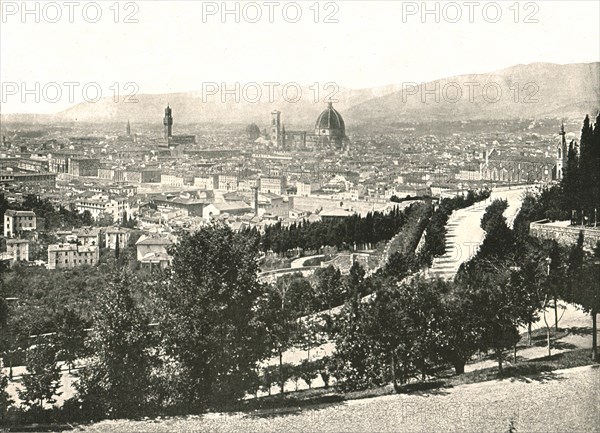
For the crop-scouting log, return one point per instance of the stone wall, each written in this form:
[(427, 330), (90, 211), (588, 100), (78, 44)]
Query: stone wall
[(566, 235)]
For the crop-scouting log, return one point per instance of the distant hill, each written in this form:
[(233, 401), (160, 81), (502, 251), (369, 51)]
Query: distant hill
[(544, 90), (189, 107)]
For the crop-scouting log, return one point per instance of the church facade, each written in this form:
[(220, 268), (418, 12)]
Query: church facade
[(504, 168)]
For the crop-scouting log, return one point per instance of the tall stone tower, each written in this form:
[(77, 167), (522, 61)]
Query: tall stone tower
[(275, 134), (561, 153), (168, 122), (128, 129)]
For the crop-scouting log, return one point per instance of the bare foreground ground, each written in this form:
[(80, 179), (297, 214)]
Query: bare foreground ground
[(562, 401)]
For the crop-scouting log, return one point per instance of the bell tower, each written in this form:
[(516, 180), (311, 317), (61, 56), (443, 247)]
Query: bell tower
[(168, 122), (561, 153), (275, 132)]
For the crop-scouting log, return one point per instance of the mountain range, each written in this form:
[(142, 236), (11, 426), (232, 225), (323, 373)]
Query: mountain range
[(537, 90)]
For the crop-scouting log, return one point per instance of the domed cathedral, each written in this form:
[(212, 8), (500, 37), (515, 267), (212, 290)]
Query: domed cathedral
[(330, 129), (329, 132)]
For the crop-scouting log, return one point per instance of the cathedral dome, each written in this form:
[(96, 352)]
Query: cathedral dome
[(330, 122)]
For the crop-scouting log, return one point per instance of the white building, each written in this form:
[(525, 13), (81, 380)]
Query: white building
[(16, 221)]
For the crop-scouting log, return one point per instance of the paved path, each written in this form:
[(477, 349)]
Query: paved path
[(299, 263), (465, 235)]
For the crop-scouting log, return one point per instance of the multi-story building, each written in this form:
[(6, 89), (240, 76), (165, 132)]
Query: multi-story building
[(272, 185), (88, 236), (152, 251), (17, 249), (171, 179), (209, 182), (112, 235), (227, 182), (17, 221), (39, 179), (305, 187), (83, 167), (142, 176), (61, 256), (99, 205)]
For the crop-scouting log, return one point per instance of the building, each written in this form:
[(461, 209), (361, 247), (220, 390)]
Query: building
[(63, 256), (112, 235), (88, 236), (17, 221), (178, 140), (33, 179), (562, 154), (335, 215), (59, 161), (168, 123), (152, 251), (189, 206), (330, 129), (329, 132), (227, 182), (305, 187), (272, 185), (99, 205), (231, 208), (145, 175), (498, 167), (275, 132), (209, 182), (17, 249), (84, 167), (171, 179)]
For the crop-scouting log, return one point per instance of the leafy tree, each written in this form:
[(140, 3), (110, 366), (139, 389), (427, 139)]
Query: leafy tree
[(308, 372), (281, 323), (328, 288), (355, 363), (270, 376), (115, 381), (459, 337), (586, 292), (210, 313), (42, 381), (5, 400), (70, 336), (500, 304)]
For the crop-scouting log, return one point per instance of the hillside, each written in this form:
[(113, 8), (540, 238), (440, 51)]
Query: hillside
[(536, 90), (544, 90)]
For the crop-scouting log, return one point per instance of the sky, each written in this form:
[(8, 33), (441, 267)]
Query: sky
[(178, 46)]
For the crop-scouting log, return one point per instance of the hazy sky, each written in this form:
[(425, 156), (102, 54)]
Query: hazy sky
[(177, 46)]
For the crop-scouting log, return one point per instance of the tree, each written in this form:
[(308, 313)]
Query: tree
[(459, 336), (116, 380), (42, 381), (5, 400), (281, 322), (586, 292), (308, 372), (210, 320), (117, 246), (405, 326), (500, 303), (328, 288), (355, 363), (70, 336)]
